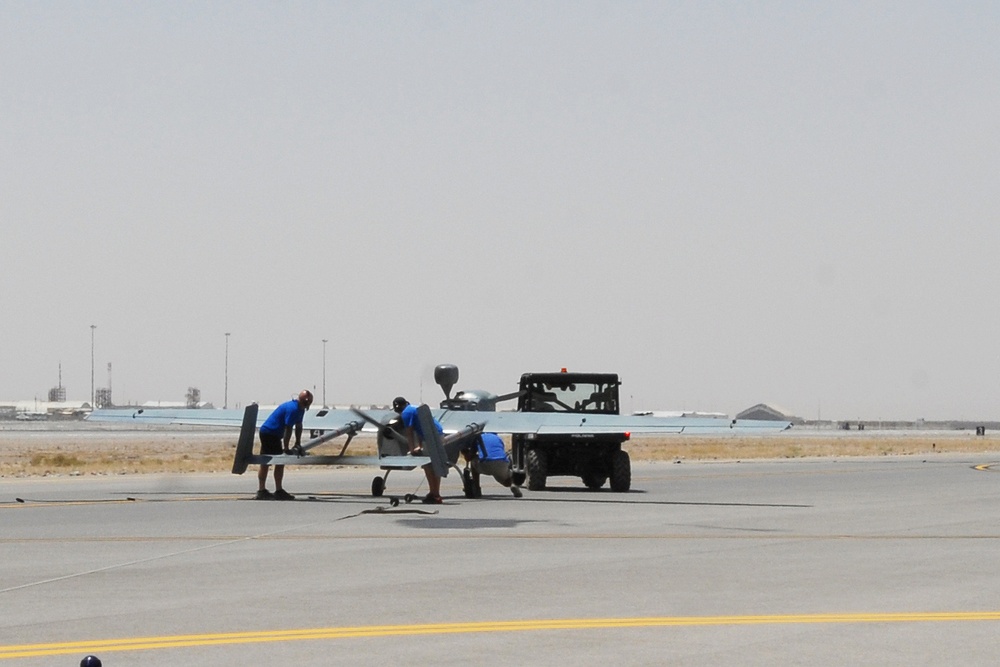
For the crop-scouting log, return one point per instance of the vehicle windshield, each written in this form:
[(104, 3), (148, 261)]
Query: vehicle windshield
[(596, 397)]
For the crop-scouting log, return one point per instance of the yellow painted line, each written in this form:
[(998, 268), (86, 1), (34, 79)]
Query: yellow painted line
[(182, 641)]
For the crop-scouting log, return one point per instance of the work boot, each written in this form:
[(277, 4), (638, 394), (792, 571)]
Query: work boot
[(516, 490)]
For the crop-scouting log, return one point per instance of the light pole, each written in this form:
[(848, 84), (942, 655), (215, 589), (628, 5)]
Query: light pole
[(324, 372), (225, 400), (92, 327)]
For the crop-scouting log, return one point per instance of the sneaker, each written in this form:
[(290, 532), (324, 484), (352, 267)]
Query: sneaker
[(264, 494), (432, 499), (516, 490), (281, 494)]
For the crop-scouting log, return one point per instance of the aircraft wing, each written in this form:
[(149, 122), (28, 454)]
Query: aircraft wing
[(333, 423), (319, 420), (547, 423), (156, 416)]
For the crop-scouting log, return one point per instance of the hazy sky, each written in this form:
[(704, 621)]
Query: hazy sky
[(725, 202)]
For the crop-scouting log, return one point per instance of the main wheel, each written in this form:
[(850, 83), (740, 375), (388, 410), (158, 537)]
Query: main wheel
[(468, 484), (378, 486), (621, 471), (536, 464)]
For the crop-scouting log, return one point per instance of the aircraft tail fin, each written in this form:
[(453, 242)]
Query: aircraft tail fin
[(433, 442), (244, 447)]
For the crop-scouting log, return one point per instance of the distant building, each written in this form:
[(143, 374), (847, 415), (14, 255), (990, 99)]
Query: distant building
[(765, 412), (176, 405), (37, 410), (102, 398)]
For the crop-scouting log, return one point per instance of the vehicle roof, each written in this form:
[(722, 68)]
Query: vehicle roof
[(572, 377)]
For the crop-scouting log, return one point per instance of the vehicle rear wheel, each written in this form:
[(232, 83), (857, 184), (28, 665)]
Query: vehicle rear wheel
[(537, 466), (378, 486), (621, 471)]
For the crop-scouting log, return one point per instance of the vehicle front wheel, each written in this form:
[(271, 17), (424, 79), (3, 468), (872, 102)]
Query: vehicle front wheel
[(621, 472), (536, 464)]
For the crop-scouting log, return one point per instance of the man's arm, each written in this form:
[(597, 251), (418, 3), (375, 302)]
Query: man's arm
[(411, 439)]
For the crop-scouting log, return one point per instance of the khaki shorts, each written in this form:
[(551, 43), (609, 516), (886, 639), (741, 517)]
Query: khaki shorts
[(499, 469)]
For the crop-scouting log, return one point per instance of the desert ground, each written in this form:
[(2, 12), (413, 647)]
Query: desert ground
[(83, 450)]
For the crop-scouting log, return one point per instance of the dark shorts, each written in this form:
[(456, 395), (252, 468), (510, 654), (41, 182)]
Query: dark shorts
[(270, 444)]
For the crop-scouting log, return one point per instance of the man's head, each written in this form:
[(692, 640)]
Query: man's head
[(399, 404), (305, 398)]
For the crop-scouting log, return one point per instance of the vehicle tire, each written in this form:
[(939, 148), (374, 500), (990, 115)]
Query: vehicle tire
[(621, 472), (378, 486), (536, 465)]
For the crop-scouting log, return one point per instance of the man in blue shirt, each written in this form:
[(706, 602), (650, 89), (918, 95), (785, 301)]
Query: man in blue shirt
[(275, 436), (415, 439), (487, 454)]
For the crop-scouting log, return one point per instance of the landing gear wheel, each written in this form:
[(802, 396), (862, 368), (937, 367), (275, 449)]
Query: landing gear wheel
[(519, 478), (409, 498), (621, 472), (468, 484), (594, 480), (394, 502), (378, 486), (537, 467)]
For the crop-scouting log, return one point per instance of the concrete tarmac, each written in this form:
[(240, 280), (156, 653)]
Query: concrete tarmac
[(880, 561)]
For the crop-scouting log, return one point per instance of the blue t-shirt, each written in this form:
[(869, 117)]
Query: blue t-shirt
[(491, 448), (287, 414), (409, 417)]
